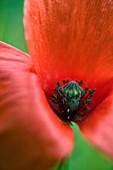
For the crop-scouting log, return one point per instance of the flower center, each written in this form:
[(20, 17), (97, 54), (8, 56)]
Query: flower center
[(70, 100)]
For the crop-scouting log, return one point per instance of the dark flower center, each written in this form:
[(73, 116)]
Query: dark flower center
[(70, 100)]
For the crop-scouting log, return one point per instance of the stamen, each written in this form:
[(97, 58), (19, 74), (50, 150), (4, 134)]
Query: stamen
[(70, 100)]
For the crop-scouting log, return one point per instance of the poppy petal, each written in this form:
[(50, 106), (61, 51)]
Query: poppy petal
[(98, 127), (30, 133), (73, 37)]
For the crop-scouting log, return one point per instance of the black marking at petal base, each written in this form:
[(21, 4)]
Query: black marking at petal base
[(71, 99)]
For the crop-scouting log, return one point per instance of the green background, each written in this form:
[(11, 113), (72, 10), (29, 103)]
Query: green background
[(84, 156)]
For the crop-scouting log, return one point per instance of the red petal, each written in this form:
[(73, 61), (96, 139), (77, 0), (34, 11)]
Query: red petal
[(98, 127), (70, 39), (31, 137), (73, 39)]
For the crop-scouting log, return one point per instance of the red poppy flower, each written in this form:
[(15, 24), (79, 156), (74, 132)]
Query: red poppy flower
[(74, 39)]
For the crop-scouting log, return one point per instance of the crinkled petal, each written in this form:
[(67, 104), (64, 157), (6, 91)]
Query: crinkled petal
[(31, 136), (70, 39)]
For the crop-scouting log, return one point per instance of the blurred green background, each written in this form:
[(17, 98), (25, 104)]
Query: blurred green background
[(11, 29), (84, 156)]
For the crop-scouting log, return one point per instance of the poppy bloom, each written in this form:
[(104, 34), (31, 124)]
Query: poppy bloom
[(74, 39), (66, 40)]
